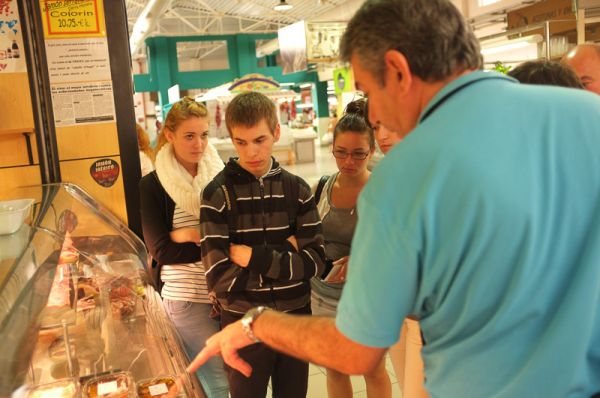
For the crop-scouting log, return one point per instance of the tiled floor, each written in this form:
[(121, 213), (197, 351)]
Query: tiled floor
[(317, 387), (317, 381)]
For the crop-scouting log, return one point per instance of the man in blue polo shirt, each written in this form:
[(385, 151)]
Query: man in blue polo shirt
[(484, 222)]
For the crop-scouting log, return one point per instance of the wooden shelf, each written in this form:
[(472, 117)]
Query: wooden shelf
[(25, 130), (18, 147)]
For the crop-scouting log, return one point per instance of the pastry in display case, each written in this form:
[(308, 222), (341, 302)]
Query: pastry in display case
[(60, 389), (157, 387), (115, 385), (78, 315)]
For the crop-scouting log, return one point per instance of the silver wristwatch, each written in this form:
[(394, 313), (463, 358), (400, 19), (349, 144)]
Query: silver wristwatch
[(249, 318)]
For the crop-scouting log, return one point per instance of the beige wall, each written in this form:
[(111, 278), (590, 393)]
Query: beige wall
[(78, 148), (16, 120)]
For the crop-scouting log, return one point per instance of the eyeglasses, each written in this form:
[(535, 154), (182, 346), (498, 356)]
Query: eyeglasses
[(340, 154)]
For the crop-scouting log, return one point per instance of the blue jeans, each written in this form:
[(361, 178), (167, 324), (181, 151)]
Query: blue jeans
[(195, 327)]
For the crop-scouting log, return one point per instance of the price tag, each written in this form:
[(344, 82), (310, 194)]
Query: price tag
[(107, 388), (54, 392), (158, 389), (72, 18)]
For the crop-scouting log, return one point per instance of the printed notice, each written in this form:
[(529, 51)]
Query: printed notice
[(78, 60), (83, 103), (80, 78), (72, 18), (11, 39)]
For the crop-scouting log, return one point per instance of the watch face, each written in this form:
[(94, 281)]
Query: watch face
[(248, 319)]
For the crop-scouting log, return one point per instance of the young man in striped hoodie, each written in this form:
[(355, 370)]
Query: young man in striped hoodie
[(261, 243)]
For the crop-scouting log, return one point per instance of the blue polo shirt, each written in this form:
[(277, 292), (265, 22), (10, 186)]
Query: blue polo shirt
[(484, 222)]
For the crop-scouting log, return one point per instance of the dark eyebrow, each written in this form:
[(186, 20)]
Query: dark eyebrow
[(260, 137)]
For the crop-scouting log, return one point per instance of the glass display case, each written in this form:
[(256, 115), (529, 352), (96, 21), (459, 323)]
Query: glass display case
[(78, 314)]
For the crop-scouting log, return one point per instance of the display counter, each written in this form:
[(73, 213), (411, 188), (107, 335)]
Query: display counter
[(78, 316)]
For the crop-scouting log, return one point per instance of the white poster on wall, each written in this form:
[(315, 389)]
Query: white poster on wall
[(76, 60), (292, 47), (83, 103), (80, 81), (323, 40), (174, 93), (12, 59)]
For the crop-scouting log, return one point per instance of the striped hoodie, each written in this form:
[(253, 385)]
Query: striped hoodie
[(277, 275)]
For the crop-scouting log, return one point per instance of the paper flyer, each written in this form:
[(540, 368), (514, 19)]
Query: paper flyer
[(12, 59)]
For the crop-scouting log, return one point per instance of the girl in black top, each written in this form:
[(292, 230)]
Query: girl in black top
[(170, 204)]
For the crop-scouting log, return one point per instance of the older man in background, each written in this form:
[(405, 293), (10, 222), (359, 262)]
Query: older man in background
[(585, 61), (483, 223)]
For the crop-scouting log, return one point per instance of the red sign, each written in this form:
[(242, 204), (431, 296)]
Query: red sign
[(105, 172)]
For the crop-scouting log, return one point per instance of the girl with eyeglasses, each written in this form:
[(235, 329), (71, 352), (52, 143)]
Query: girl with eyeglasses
[(170, 207), (353, 147)]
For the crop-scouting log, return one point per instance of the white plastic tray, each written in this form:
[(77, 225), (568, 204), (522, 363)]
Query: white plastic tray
[(13, 213)]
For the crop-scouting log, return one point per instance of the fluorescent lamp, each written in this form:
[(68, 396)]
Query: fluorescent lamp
[(283, 6), (508, 45), (484, 3), (141, 26), (504, 47)]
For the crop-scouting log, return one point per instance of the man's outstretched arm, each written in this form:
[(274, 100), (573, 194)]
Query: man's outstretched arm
[(313, 339)]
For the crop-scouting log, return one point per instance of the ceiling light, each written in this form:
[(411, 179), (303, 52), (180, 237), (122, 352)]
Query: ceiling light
[(508, 45), (282, 6), (142, 24), (504, 48)]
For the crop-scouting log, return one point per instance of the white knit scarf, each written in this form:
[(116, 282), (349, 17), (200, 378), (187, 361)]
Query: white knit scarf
[(179, 184)]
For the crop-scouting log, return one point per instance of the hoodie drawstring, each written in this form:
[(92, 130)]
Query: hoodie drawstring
[(253, 212)]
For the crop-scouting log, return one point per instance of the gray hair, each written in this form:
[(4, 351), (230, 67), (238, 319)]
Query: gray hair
[(432, 34)]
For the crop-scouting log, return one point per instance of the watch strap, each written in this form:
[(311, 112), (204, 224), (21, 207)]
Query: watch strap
[(248, 320)]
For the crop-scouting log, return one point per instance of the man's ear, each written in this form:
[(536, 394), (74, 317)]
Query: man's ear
[(277, 133), (398, 71)]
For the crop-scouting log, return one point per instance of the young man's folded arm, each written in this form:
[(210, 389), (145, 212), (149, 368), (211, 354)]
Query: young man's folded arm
[(220, 271), (287, 263)]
